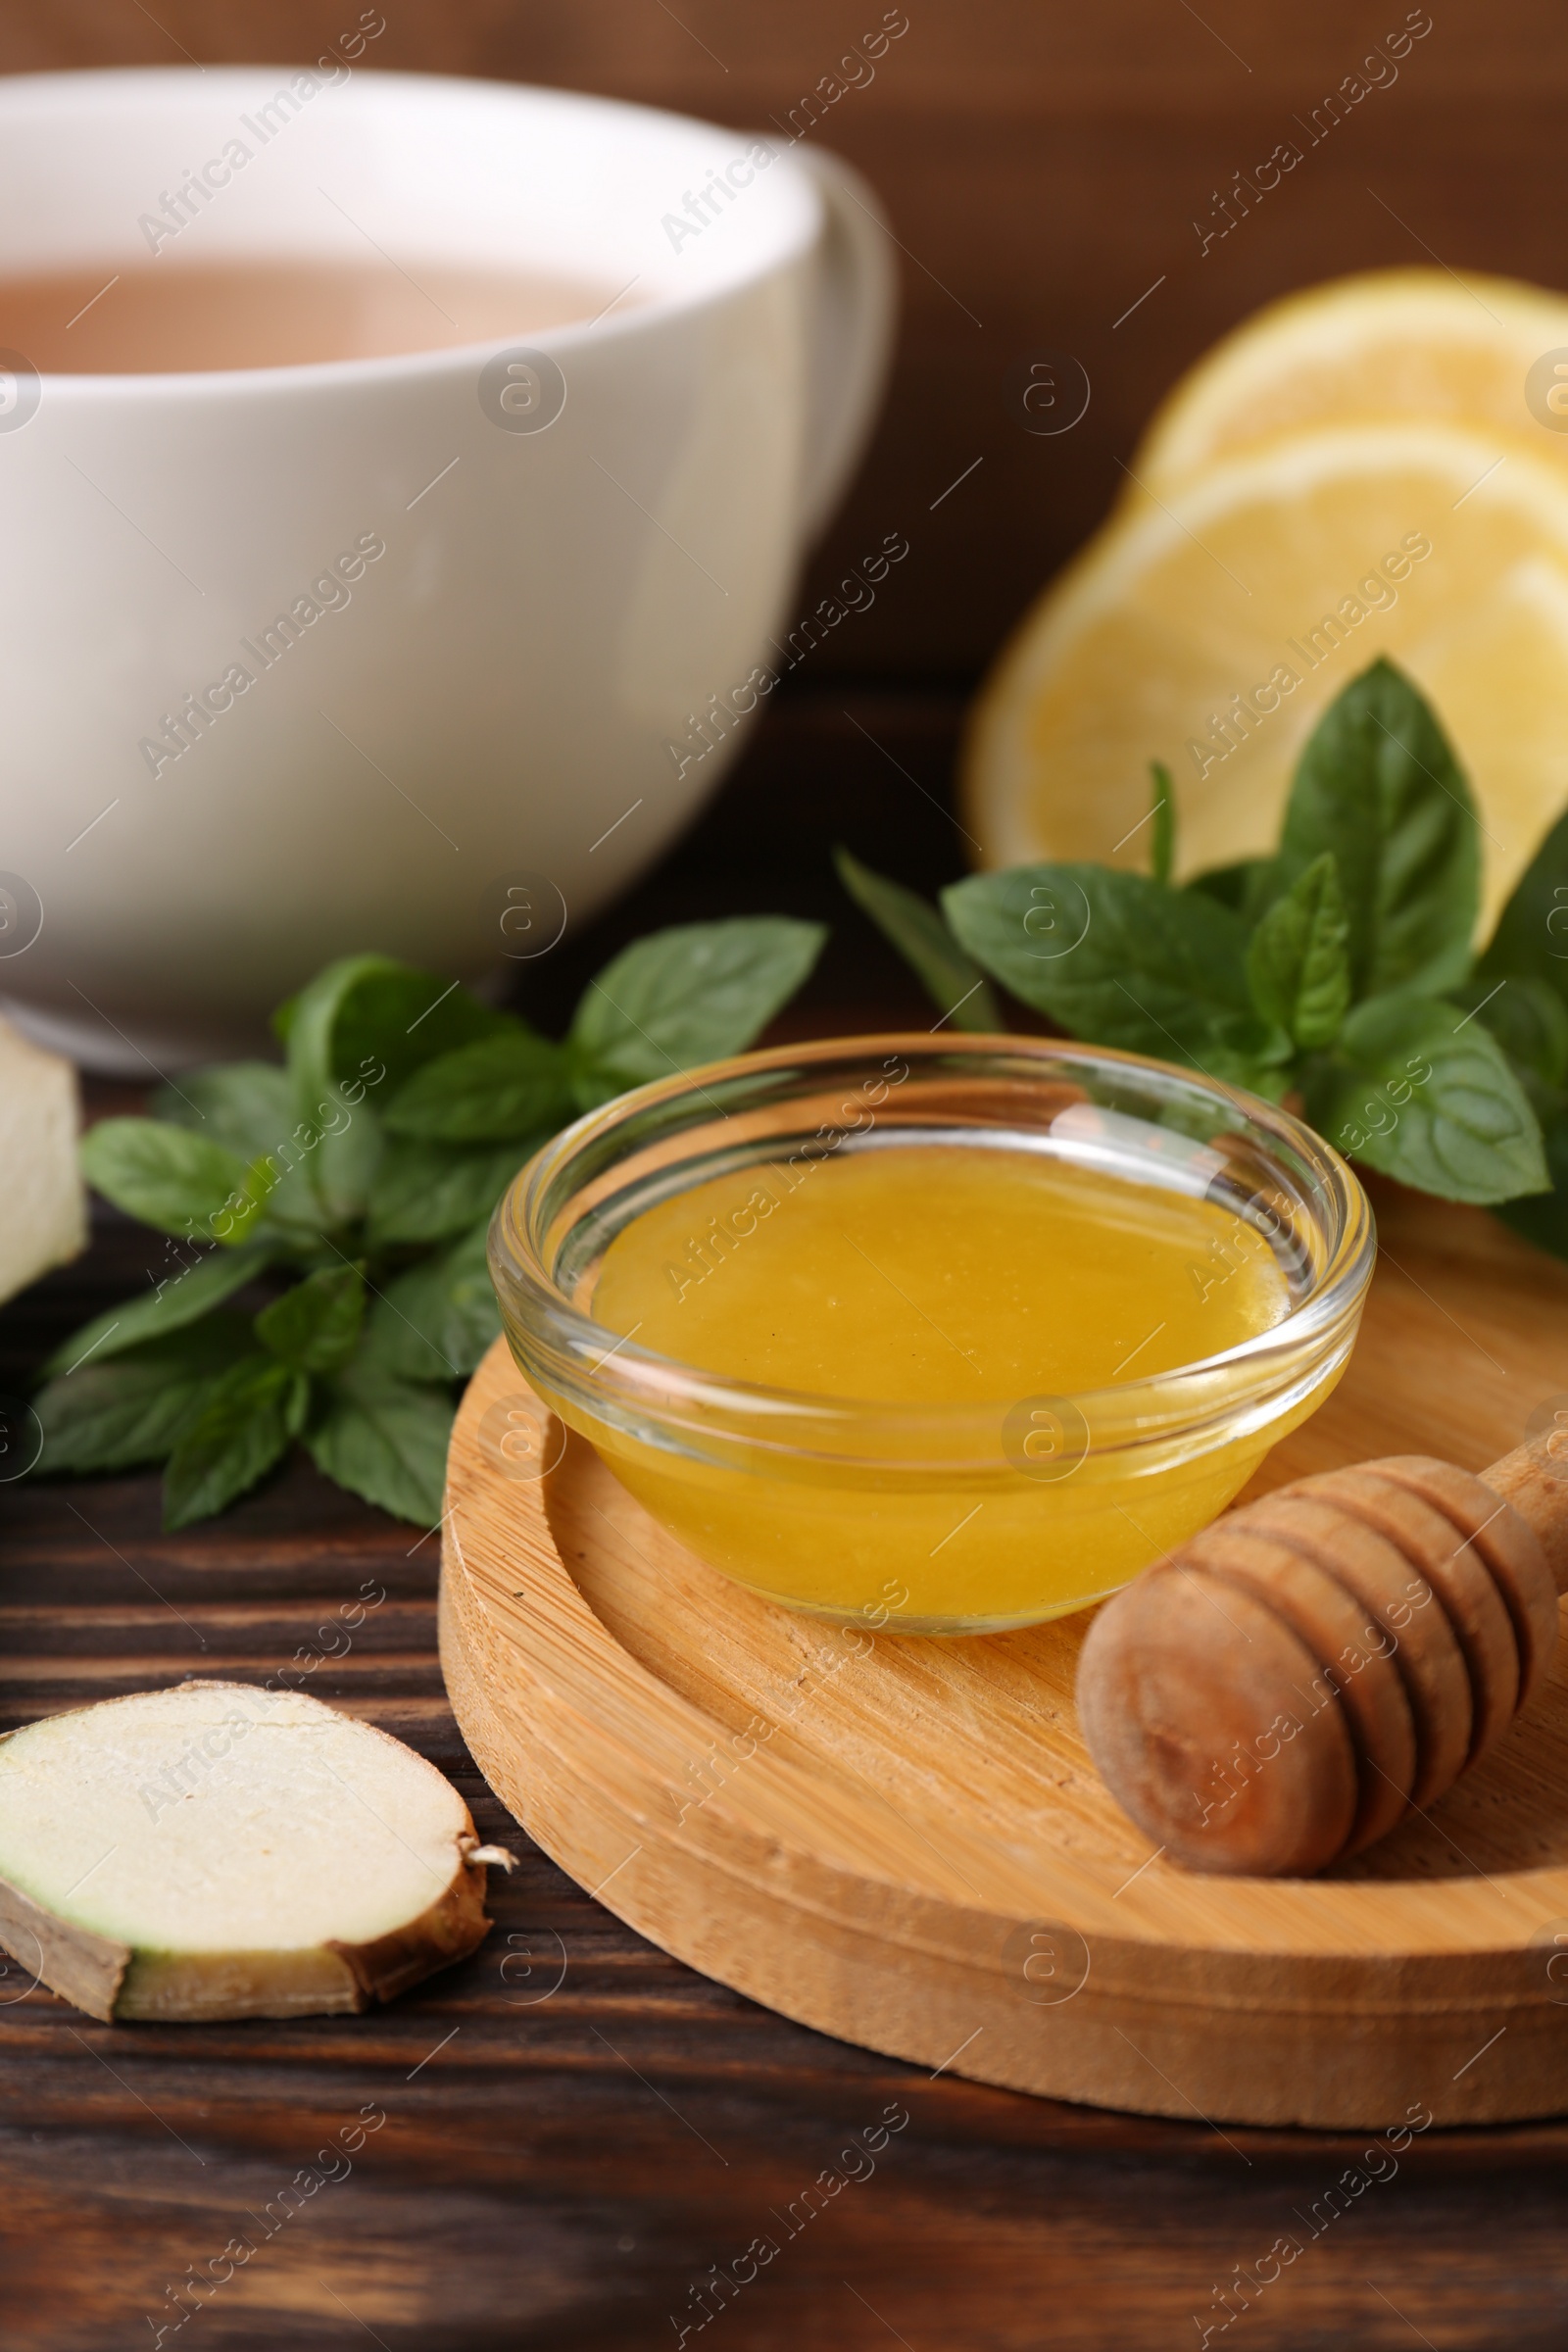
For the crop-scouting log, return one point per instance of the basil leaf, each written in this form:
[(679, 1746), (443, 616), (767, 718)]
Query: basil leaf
[(1531, 940), (1297, 964), (243, 1428), (1422, 1094), (316, 1326), (1544, 1217), (429, 1192), (690, 995), (1119, 960), (1527, 1017), (436, 1321), (1162, 833), (386, 1441), (166, 1177), (511, 1083), (956, 985), (110, 1416), (170, 1308), (1379, 786)]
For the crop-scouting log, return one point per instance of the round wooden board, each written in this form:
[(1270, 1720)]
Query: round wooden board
[(902, 1842)]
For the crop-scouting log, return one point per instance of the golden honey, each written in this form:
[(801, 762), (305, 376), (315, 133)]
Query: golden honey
[(1008, 1284)]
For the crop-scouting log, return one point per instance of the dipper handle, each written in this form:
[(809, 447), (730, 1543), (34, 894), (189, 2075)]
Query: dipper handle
[(1279, 1692), (1534, 1480)]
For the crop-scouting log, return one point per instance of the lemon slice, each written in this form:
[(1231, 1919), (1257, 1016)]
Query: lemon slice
[(1392, 346), (1211, 631)]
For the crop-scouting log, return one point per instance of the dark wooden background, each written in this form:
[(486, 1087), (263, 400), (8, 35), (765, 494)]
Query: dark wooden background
[(561, 2170)]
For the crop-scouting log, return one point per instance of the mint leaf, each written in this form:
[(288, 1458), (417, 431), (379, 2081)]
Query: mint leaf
[(243, 1428), (1528, 1019), (249, 1108), (316, 1326), (956, 985), (1297, 964), (1544, 1218), (165, 1177), (1425, 1096), (357, 1034), (509, 1085), (385, 1439), (1163, 831), (1120, 960), (110, 1416), (1531, 940), (370, 1010), (1379, 786), (429, 1192), (690, 995), (436, 1321), (180, 1300), (1247, 888)]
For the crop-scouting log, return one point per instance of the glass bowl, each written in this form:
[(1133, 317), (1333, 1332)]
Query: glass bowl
[(845, 1507)]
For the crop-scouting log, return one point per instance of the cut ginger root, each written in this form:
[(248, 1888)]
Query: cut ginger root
[(219, 1851)]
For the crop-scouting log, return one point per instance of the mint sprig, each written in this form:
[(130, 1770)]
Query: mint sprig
[(356, 1185), (1340, 971)]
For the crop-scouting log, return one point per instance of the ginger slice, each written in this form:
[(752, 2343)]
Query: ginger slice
[(45, 1220), (219, 1851)]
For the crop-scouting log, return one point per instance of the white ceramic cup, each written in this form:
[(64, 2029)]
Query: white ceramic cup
[(481, 733)]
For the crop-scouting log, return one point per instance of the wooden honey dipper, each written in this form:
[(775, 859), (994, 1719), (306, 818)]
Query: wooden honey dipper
[(1281, 1691)]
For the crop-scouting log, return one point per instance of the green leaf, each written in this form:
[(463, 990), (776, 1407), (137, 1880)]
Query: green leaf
[(181, 1300), (316, 1326), (429, 1192), (244, 1105), (956, 984), (244, 1427), (1297, 964), (1425, 1096), (357, 1034), (385, 1439), (1379, 786), (1117, 960), (690, 995), (436, 1321), (1544, 1218), (365, 1011), (166, 1177), (591, 1087), (1527, 1017), (1531, 940), (249, 1108), (509, 1085), (1246, 888), (110, 1416), (1163, 831)]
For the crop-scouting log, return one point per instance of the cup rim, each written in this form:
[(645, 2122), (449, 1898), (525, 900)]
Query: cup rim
[(21, 92), (1178, 1403)]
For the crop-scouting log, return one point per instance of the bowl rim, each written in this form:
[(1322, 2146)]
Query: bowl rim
[(651, 1382)]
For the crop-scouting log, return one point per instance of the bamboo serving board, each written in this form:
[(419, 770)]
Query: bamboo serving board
[(902, 1842)]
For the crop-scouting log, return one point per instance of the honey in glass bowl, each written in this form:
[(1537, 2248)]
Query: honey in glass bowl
[(953, 1336)]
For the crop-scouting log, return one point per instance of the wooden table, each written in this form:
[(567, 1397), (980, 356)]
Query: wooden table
[(576, 2127)]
